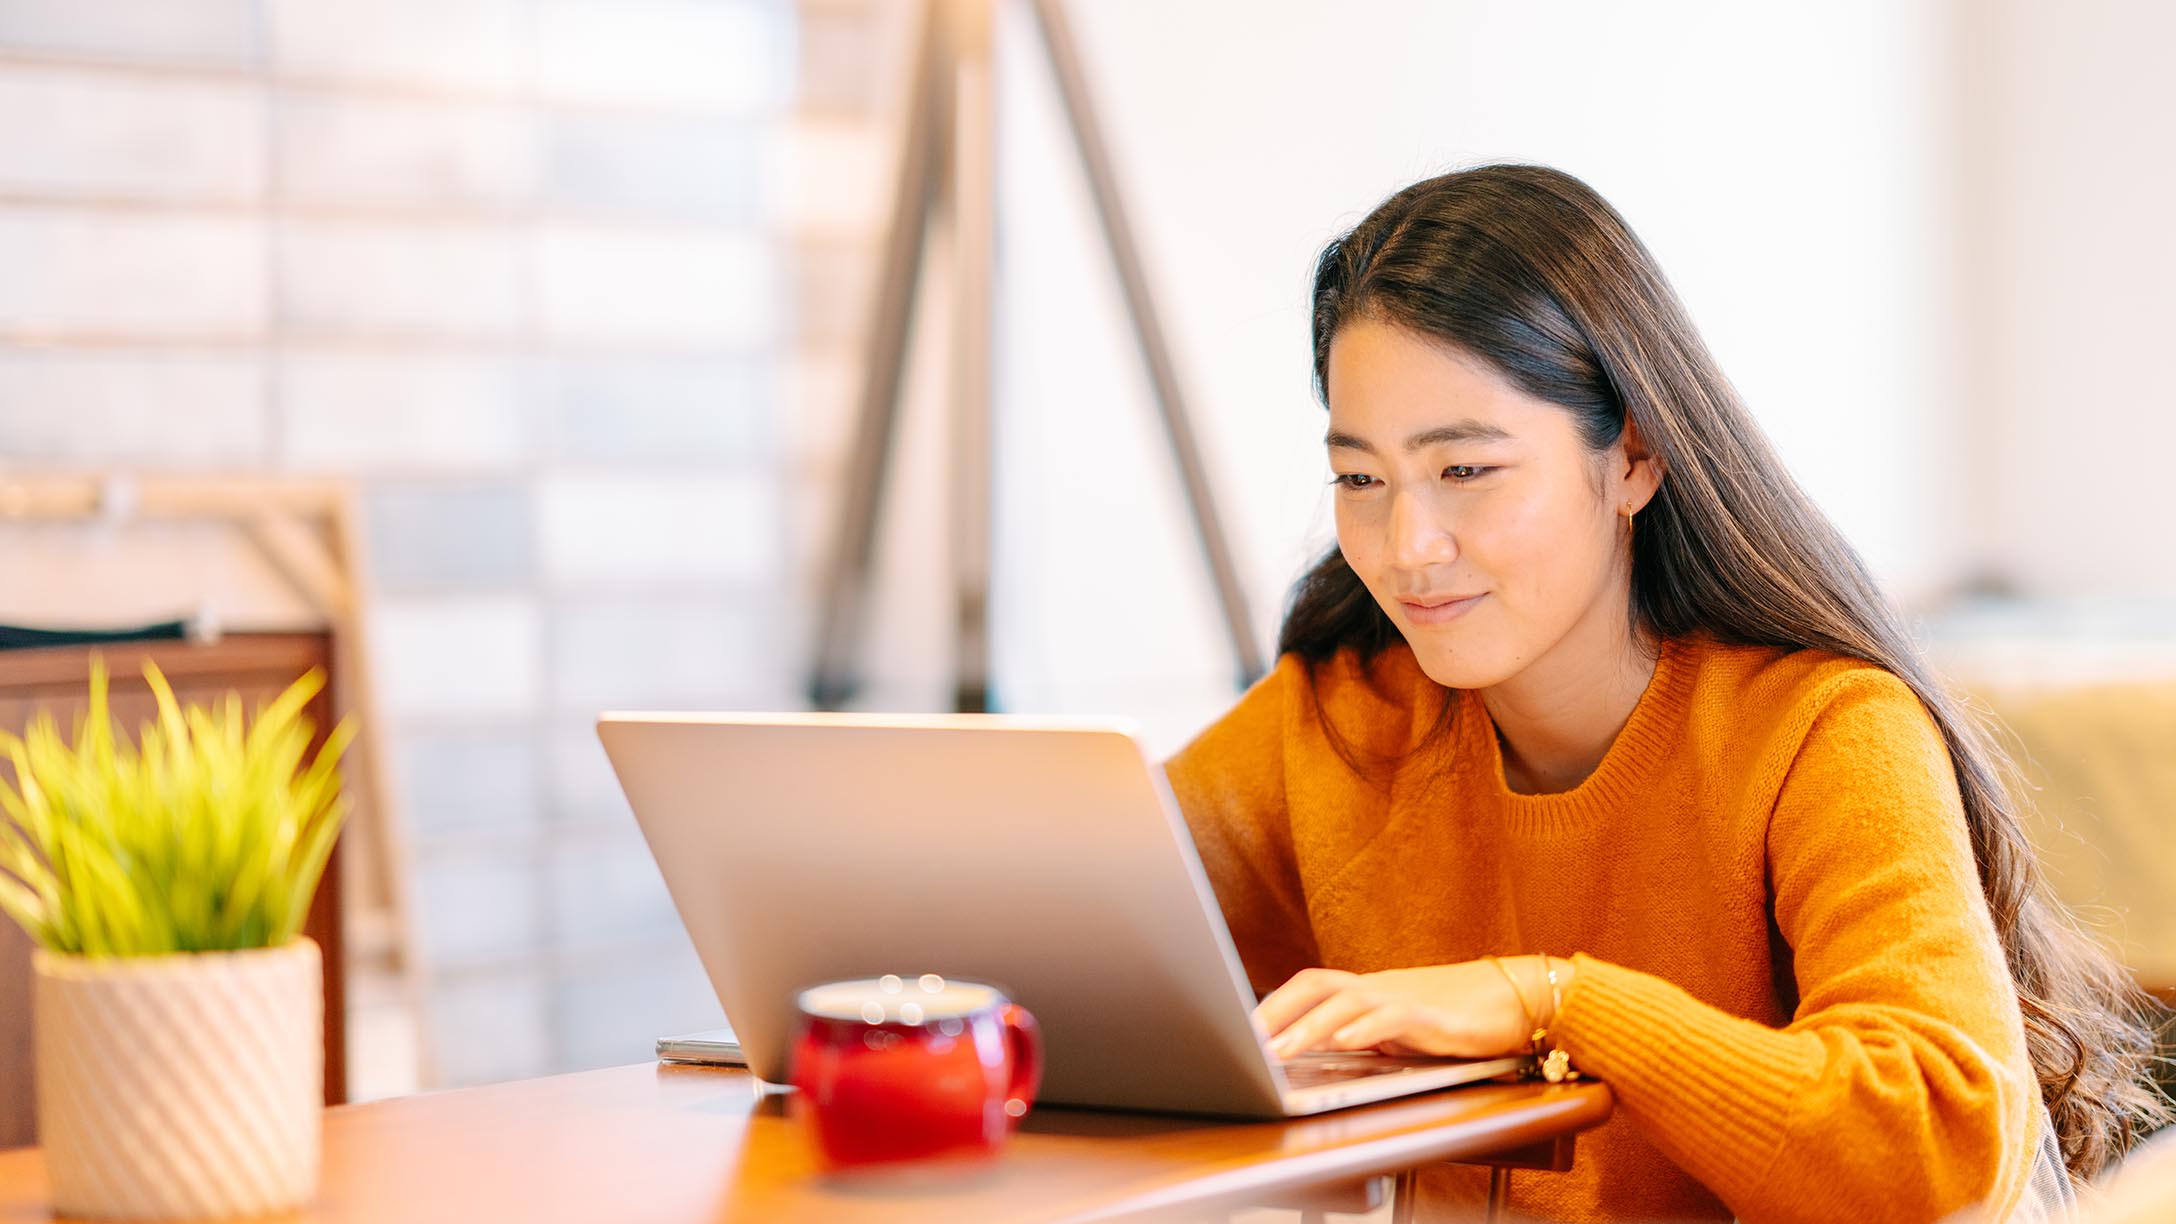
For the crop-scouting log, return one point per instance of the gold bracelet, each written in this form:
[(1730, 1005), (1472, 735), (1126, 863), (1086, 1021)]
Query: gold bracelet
[(1525, 1013), (1557, 1066)]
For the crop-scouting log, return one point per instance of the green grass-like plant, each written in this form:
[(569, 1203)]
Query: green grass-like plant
[(209, 836)]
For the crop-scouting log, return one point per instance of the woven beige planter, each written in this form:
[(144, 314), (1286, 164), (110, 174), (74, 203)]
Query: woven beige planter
[(179, 1087)]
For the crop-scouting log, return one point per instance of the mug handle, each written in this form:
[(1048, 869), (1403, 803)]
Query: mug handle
[(1026, 1043)]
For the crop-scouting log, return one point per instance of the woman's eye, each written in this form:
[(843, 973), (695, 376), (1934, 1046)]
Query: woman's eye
[(1463, 472), (1355, 481)]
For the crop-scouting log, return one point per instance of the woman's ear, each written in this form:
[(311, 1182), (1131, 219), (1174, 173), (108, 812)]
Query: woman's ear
[(1642, 470)]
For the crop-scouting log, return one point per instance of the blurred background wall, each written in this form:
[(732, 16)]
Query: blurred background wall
[(573, 291), (523, 271)]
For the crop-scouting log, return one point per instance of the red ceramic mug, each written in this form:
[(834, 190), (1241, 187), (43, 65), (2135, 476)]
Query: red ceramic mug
[(896, 1069)]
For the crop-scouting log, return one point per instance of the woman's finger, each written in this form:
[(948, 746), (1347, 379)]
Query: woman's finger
[(1312, 1030), (1382, 1026), (1297, 997)]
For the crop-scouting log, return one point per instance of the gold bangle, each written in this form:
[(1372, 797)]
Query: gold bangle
[(1525, 1013), (1557, 1066)]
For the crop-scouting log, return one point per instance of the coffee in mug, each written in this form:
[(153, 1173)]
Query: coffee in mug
[(896, 1069)]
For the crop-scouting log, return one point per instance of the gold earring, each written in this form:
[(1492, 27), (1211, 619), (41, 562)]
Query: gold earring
[(1628, 516)]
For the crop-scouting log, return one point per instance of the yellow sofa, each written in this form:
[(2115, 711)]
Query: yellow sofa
[(2099, 762)]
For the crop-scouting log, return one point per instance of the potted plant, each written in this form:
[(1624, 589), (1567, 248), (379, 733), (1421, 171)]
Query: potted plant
[(178, 1014)]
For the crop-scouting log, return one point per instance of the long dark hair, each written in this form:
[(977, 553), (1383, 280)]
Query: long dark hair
[(1530, 270)]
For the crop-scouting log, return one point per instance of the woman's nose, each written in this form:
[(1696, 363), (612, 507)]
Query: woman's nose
[(1416, 538)]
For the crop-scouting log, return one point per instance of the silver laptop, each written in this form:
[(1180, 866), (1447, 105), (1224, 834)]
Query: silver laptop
[(1045, 857)]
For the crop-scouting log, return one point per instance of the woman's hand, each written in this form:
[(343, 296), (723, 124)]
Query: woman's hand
[(1467, 1010)]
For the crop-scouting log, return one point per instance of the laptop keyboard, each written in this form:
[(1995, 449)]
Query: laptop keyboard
[(1305, 1072)]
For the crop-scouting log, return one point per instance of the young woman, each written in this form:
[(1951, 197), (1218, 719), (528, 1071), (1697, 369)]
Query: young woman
[(1592, 736)]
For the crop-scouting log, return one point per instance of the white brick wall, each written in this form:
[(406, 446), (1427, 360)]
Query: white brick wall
[(668, 530), (451, 44), (662, 653), (635, 287), (580, 788), (493, 1026), (462, 282), (461, 657), (515, 268), (702, 166), (164, 409), (215, 33), (341, 149), (98, 134), (606, 892), (463, 785), (656, 411), (705, 55), (447, 536), (123, 272), (400, 412), (607, 1018), (480, 908)]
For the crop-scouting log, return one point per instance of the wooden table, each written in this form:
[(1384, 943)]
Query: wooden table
[(676, 1144)]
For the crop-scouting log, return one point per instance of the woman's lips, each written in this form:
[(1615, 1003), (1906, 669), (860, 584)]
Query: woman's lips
[(1439, 612)]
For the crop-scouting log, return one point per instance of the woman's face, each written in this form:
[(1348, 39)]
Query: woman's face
[(1472, 511)]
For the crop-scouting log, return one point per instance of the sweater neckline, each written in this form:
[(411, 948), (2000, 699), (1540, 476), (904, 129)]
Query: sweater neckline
[(1633, 757)]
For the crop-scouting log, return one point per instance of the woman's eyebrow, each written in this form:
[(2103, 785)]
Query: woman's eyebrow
[(1456, 431)]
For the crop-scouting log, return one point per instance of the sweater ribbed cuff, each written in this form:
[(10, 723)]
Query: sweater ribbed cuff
[(1725, 1083)]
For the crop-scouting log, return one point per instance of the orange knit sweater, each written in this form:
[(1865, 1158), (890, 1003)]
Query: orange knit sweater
[(1786, 969)]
